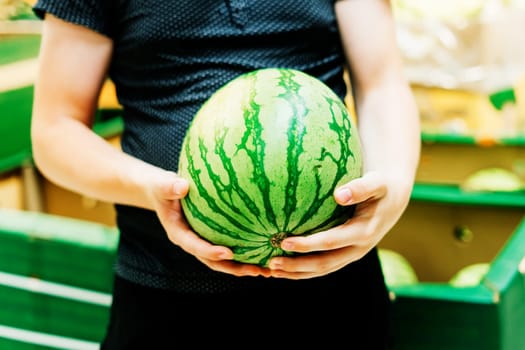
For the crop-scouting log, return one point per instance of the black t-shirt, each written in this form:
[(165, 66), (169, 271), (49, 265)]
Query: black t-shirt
[(169, 57)]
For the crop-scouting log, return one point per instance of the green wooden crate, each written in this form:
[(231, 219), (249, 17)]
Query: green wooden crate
[(17, 47), (55, 280), (70, 314), (442, 231), (18, 53), (58, 249), (15, 344), (12, 338), (15, 120)]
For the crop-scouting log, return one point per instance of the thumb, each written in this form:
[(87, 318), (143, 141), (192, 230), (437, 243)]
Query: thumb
[(173, 187), (371, 185)]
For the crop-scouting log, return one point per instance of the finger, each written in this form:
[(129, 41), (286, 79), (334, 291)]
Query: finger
[(177, 188), (183, 236), (353, 232), (237, 269), (171, 187), (371, 185), (311, 265)]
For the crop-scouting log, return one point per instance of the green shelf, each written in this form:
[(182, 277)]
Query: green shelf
[(18, 47), (452, 194), (15, 120), (471, 140)]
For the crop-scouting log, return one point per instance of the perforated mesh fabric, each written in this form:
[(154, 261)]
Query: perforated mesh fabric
[(169, 57)]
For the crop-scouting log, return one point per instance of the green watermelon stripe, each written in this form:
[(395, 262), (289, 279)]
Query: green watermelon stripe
[(195, 174), (248, 241), (341, 163), (223, 191), (253, 136), (260, 255), (344, 133), (296, 133), (221, 230), (254, 131), (234, 186)]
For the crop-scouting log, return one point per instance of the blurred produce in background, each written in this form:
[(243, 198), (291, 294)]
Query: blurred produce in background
[(466, 61), (15, 9)]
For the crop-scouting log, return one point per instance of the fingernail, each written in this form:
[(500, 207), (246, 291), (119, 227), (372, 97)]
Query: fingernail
[(344, 195), (285, 245), (177, 187)]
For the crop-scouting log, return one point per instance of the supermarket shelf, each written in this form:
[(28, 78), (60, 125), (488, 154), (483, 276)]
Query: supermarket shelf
[(472, 140), (452, 194)]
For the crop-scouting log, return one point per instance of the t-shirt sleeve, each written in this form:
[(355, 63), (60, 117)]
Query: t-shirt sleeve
[(93, 14)]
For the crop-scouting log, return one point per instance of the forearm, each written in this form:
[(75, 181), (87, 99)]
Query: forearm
[(388, 119), (69, 154), (73, 66), (389, 127)]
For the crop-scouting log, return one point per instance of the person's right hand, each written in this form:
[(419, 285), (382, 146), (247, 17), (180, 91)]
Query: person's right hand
[(166, 194)]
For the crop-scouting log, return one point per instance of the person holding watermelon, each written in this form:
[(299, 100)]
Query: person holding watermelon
[(166, 58)]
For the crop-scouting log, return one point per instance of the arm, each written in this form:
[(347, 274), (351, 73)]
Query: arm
[(73, 65), (388, 115), (388, 123)]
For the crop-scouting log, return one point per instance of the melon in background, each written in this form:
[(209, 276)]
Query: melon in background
[(493, 180), (470, 275), (16, 9), (397, 270)]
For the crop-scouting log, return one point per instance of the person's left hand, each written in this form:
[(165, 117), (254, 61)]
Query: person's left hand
[(380, 202)]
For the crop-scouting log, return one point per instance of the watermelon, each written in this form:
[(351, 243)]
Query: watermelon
[(470, 275), (397, 270), (263, 156)]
